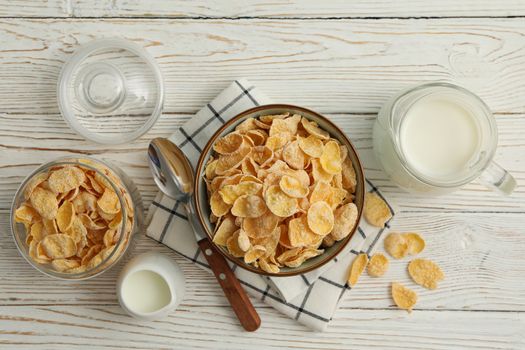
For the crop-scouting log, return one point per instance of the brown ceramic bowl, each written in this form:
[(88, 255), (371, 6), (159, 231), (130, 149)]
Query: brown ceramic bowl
[(201, 198)]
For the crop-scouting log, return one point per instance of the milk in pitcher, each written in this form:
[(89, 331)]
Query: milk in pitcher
[(434, 138)]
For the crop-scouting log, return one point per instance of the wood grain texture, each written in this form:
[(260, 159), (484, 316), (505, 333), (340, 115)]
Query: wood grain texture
[(28, 140), (481, 256), (107, 327), (35, 8), (301, 8), (260, 8), (333, 66), (344, 66)]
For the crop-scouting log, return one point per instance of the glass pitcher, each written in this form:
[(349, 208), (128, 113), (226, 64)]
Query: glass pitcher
[(436, 137)]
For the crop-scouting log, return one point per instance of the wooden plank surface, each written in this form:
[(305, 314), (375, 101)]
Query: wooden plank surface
[(28, 140), (35, 8), (472, 249), (261, 8), (331, 66), (106, 327), (342, 59), (481, 254), (302, 8)]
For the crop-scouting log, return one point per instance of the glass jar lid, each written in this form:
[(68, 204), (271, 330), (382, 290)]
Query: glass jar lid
[(111, 91)]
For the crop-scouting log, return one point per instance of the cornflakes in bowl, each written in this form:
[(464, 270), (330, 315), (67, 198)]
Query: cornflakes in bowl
[(279, 189)]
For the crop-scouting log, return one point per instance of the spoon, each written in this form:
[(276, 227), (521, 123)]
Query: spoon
[(173, 174)]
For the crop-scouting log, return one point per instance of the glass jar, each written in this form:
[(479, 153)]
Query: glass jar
[(104, 238), (395, 147)]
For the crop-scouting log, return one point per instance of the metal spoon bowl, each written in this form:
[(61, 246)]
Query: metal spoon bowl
[(171, 170), (174, 175)]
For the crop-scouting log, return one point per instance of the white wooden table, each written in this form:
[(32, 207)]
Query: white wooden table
[(341, 58)]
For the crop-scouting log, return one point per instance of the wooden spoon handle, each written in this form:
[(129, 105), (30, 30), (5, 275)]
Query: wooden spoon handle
[(241, 304)]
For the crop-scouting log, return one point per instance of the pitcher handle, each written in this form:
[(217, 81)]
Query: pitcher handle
[(498, 179)]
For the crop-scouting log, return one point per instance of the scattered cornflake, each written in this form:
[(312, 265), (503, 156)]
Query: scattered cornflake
[(404, 297), (376, 211), (378, 265), (416, 243), (425, 273), (357, 268), (396, 245)]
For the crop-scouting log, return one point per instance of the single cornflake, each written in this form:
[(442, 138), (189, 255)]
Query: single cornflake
[(249, 206), (396, 245), (357, 268), (66, 179), (404, 297), (378, 265), (44, 202), (345, 219), (415, 242), (320, 218), (376, 211), (425, 273), (279, 202), (228, 144)]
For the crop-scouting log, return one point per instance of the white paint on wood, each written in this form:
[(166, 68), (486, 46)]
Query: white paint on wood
[(343, 68), (260, 8), (347, 66), (481, 256), (106, 326)]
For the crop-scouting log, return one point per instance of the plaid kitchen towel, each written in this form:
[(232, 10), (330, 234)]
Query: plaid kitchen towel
[(312, 298)]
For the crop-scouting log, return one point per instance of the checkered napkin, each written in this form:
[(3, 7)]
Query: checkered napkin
[(312, 298)]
